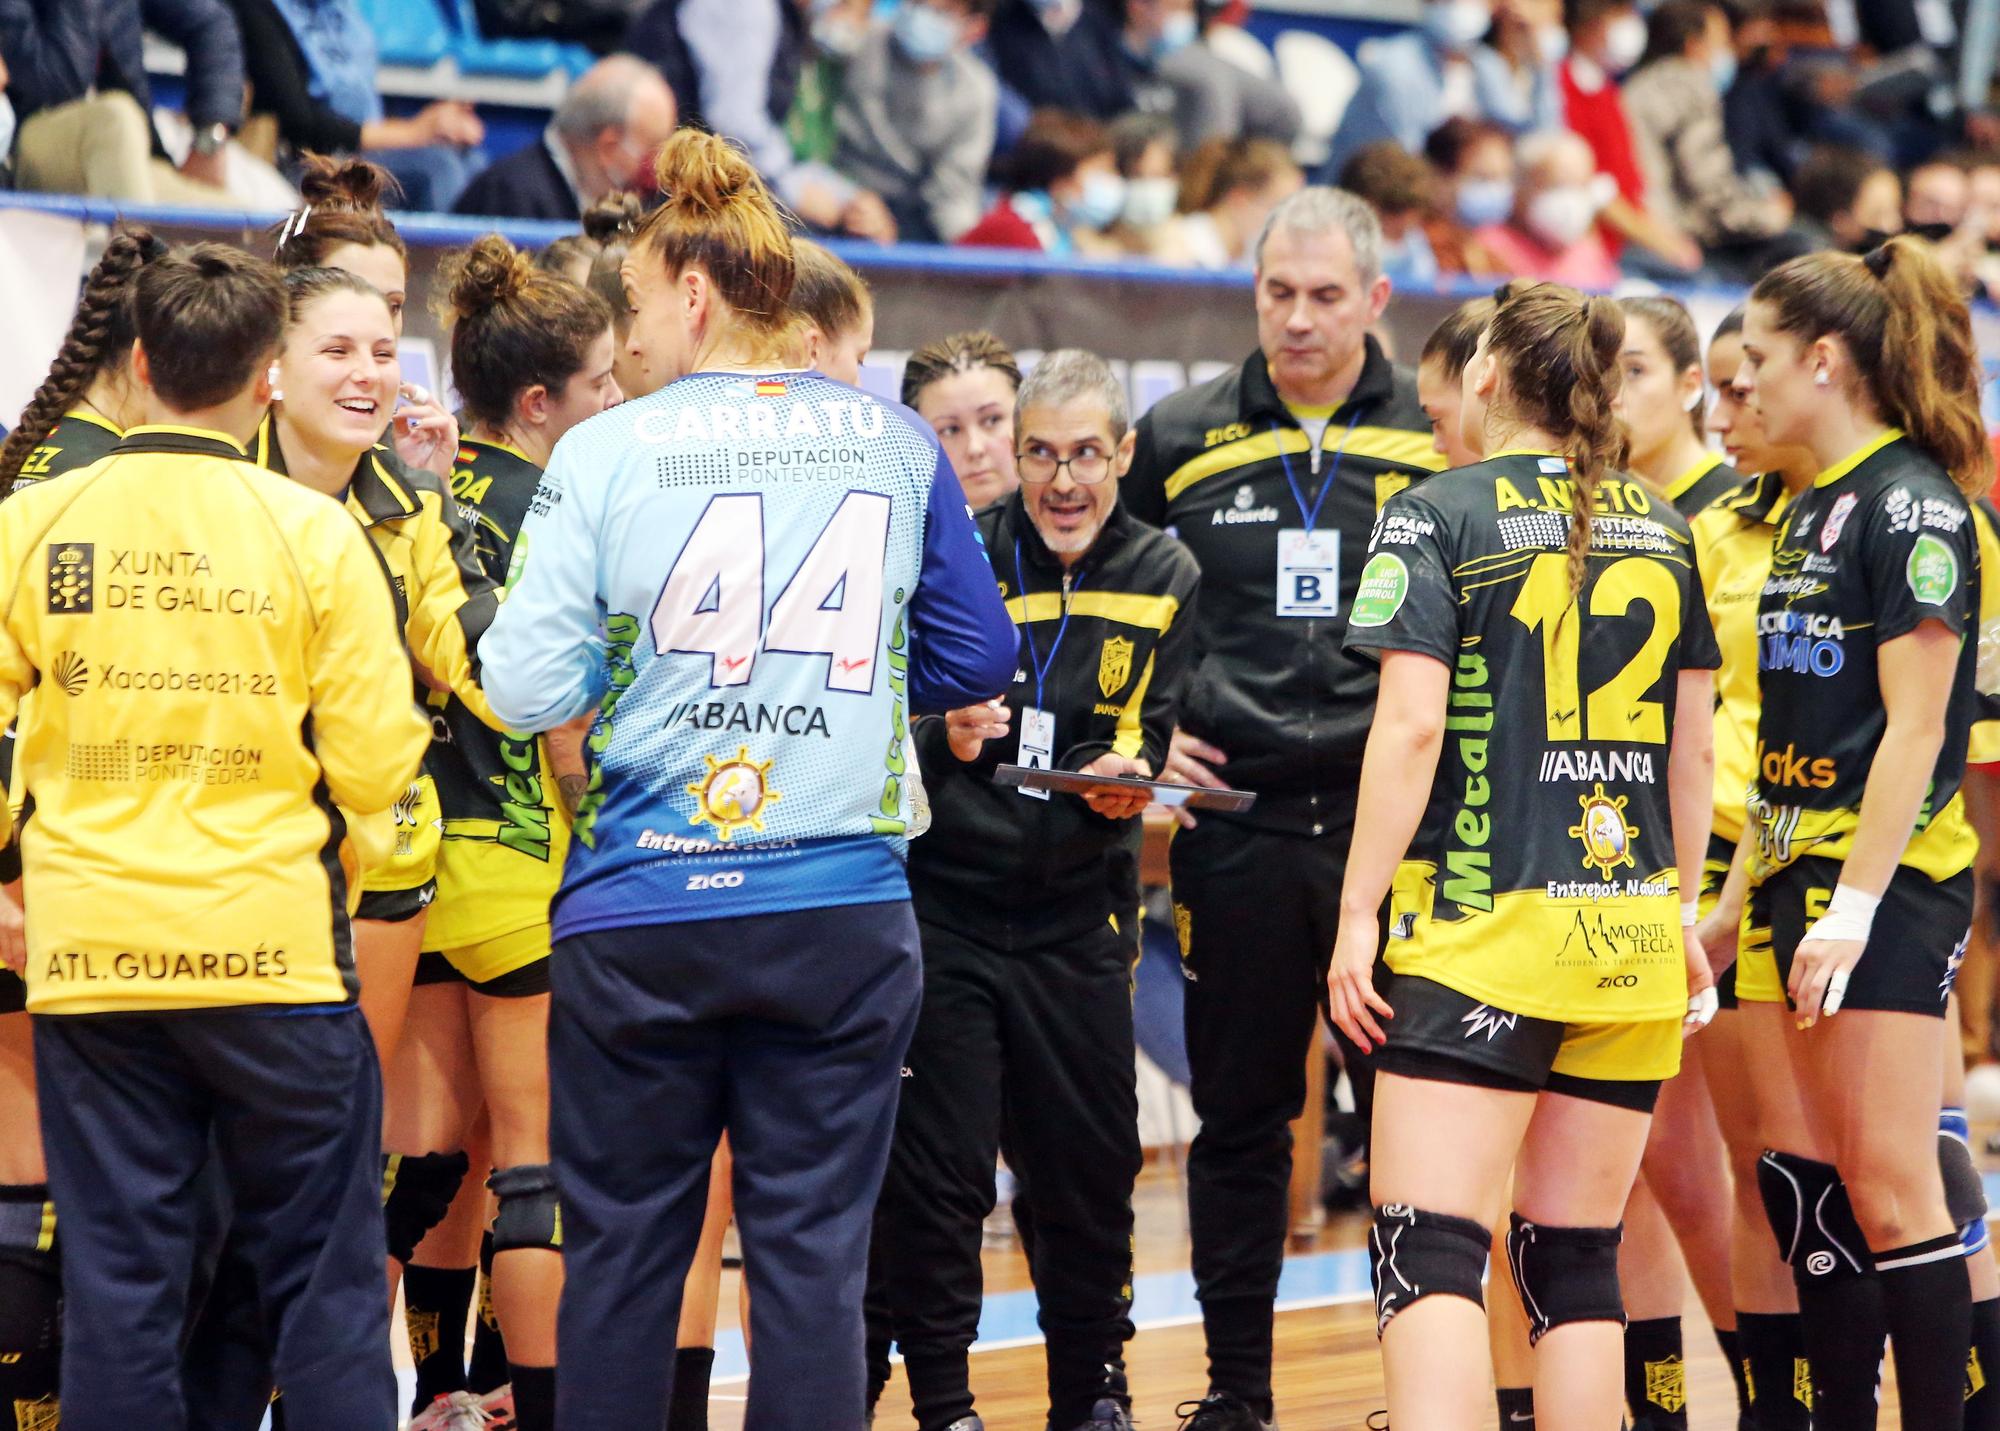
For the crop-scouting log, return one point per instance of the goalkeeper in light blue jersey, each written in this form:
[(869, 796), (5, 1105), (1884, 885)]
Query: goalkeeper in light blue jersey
[(755, 577)]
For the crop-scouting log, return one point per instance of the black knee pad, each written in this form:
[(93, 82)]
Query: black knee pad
[(417, 1190), (1964, 1189), (1414, 1254), (1811, 1217), (529, 1214), (1565, 1274)]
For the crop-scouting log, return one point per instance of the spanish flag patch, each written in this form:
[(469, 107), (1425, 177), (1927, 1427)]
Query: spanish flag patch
[(770, 387)]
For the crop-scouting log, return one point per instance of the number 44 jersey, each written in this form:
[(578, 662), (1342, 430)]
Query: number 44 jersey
[(753, 580), (1542, 879)]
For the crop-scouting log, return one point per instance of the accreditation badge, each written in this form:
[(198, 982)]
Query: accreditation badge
[(1308, 573), (1038, 745)]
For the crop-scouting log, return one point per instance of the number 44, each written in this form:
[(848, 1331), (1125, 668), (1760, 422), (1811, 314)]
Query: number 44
[(713, 602)]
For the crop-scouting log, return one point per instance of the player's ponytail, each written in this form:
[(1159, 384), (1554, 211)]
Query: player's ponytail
[(1908, 331), (343, 205), (719, 217), (1558, 353), (513, 326), (99, 339)]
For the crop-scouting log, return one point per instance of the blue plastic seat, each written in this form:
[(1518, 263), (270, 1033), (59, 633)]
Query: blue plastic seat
[(407, 32), (514, 59)]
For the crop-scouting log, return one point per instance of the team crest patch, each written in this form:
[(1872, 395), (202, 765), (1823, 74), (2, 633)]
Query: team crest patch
[(43, 1414), (1606, 834), (734, 794), (1666, 1384), (423, 1333), (1836, 520), (1932, 571), (72, 582), (1114, 665), (1183, 928), (1802, 1388)]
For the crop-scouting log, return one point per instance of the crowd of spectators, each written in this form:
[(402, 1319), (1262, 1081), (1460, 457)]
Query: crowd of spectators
[(1580, 140)]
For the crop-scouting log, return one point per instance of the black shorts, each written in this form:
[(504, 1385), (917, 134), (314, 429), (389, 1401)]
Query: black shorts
[(13, 992), (1448, 1037), (396, 906), (1914, 950), (1714, 871), (522, 983)]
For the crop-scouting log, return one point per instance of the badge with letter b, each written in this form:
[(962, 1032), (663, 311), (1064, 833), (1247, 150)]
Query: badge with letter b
[(1308, 573)]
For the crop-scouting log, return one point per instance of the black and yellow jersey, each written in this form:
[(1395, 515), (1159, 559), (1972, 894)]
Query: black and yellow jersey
[(1732, 540), (1229, 469), (1984, 748), (1880, 543), (1543, 878), (443, 598), (79, 438), (218, 666), (505, 831), (1702, 485)]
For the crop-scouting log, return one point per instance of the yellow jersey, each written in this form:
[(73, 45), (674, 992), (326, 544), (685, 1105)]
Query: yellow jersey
[(1732, 541), (220, 665)]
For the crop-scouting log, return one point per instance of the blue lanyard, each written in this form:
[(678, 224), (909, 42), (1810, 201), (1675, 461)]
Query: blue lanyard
[(1040, 667), (1312, 516)]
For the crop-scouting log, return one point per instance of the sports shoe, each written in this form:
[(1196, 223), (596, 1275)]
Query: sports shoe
[(455, 1411), (967, 1423), (1106, 1414), (1221, 1411), (498, 1404)]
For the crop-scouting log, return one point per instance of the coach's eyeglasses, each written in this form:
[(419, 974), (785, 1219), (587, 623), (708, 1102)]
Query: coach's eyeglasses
[(1038, 464)]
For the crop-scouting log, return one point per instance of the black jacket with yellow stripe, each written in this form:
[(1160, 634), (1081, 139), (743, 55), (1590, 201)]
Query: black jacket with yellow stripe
[(1278, 695), (1001, 865)]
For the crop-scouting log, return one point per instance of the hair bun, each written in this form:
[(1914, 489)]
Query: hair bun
[(356, 184), (1879, 259), (615, 215), (703, 174), (491, 272)]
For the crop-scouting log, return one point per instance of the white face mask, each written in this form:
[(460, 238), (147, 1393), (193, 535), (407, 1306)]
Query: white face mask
[(1552, 42), (1150, 202), (1624, 42), (838, 36), (1560, 217), (1458, 25)]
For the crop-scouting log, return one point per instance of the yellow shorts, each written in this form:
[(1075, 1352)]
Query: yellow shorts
[(490, 959), (1757, 978), (412, 859)]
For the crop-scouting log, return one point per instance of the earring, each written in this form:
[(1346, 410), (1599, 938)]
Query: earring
[(271, 377), (1821, 378)]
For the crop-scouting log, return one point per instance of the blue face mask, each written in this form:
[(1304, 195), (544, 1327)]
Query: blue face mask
[(925, 35), (1722, 69), (1485, 201), (1176, 33), (1100, 203)]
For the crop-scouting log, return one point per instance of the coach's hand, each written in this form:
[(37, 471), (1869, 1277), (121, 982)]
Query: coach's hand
[(13, 929), (1350, 984), (1113, 803), (1820, 971), (970, 727), (425, 433), (1189, 759)]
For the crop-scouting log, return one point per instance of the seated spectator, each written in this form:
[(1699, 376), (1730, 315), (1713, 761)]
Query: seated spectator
[(1402, 189), (839, 28), (603, 138), (1411, 83), (1476, 160), (1937, 195), (916, 115), (1063, 192), (734, 68), (1529, 36), (82, 102), (1606, 38), (1847, 199), (1673, 101), (312, 67), (1228, 189), (1063, 54), (1551, 235), (1214, 97), (1143, 145)]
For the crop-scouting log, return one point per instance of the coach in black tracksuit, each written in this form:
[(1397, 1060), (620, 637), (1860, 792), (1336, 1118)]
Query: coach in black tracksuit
[(1025, 1042), (1272, 476)]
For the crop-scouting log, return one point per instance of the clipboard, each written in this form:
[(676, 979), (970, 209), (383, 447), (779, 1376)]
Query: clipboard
[(1195, 797)]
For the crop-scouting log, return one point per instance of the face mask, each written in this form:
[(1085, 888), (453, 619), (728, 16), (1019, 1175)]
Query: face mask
[(1722, 71), (1150, 202), (838, 36), (1099, 205), (1624, 42), (1552, 42), (1457, 25), (926, 35), (1873, 239), (1485, 201), (1177, 32), (1560, 217), (1933, 233)]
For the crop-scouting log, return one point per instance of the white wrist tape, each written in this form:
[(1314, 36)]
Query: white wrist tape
[(1691, 914), (1850, 916)]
